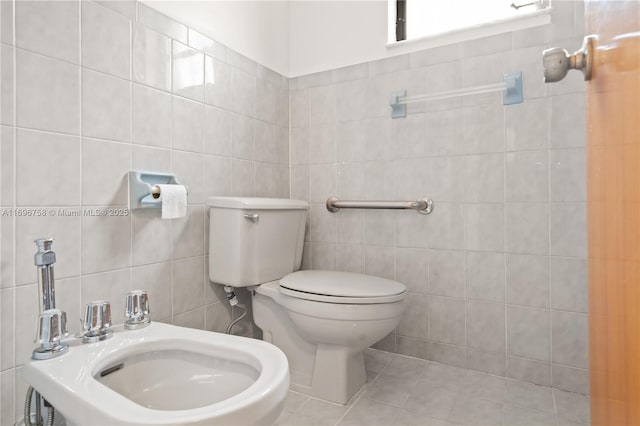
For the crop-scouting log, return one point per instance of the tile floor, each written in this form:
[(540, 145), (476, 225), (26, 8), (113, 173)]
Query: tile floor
[(410, 391)]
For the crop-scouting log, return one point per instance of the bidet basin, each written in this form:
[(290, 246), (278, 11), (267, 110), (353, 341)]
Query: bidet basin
[(163, 374)]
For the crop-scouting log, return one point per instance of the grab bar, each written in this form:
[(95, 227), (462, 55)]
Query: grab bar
[(424, 206)]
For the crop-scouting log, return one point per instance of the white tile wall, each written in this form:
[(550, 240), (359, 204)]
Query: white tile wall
[(497, 273), (97, 93)]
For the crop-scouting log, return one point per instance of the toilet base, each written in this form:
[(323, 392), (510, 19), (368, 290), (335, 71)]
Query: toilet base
[(329, 372)]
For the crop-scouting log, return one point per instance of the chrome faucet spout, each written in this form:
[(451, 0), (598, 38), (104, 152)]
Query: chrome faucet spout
[(44, 260)]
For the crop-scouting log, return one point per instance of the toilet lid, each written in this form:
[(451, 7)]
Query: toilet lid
[(341, 287)]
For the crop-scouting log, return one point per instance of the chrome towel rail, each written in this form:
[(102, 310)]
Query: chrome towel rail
[(424, 206)]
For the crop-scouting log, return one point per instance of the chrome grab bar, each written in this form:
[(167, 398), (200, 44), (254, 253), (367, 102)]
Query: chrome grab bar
[(424, 206)]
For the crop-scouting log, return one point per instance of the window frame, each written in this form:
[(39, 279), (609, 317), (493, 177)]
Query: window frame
[(528, 19)]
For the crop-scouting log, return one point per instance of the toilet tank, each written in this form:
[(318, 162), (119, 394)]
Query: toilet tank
[(254, 240)]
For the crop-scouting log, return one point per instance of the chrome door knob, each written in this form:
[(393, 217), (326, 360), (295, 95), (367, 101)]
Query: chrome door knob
[(52, 327), (97, 321), (137, 310), (557, 62)]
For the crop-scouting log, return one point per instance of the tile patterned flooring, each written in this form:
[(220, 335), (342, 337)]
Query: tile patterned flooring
[(404, 391)]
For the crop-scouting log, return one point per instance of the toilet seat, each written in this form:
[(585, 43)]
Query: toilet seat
[(341, 287)]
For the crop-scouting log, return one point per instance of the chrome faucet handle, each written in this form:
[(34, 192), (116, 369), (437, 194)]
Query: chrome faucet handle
[(52, 327), (137, 310), (97, 322)]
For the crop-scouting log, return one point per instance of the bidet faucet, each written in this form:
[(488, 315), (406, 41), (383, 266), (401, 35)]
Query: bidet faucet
[(52, 322)]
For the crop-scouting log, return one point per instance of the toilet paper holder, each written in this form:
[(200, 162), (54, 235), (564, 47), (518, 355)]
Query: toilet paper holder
[(144, 192)]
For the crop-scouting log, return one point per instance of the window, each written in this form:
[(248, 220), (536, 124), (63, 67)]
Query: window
[(417, 19)]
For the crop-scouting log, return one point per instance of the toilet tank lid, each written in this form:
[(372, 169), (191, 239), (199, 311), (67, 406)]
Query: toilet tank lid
[(254, 203), (341, 284)]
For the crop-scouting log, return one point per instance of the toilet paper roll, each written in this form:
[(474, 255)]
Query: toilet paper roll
[(173, 199)]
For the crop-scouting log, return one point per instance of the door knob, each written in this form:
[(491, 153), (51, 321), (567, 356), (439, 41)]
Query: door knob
[(557, 62)]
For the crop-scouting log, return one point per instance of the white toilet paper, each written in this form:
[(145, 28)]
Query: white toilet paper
[(174, 201)]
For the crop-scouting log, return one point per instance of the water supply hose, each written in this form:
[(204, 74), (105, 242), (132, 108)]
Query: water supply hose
[(233, 301), (27, 411)]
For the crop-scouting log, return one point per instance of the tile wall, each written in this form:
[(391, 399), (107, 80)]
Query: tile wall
[(91, 90), (497, 273)]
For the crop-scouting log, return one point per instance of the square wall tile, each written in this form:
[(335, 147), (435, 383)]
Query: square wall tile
[(323, 107), (484, 178), (156, 280), (151, 117), (217, 132), (486, 326), (410, 135), (415, 319), (528, 333), (242, 137), (351, 227), (265, 141), (380, 262), (35, 149), (104, 173), (217, 176), (445, 177), (445, 227), (243, 88), (527, 177), (49, 28), (485, 276), (567, 112), (446, 273), (350, 258), (350, 141), (106, 107), (568, 230), (265, 97), (150, 238), (6, 21), (568, 175), (188, 72), (527, 227), (378, 139), (528, 280), (447, 320), (188, 284), (484, 225), (7, 87), (188, 233), (412, 269), (484, 129), (353, 104), (106, 39), (445, 135), (188, 125), (48, 93), (243, 178), (569, 288), (570, 336), (217, 82), (322, 143), (111, 237), (300, 182), (151, 58), (527, 125)]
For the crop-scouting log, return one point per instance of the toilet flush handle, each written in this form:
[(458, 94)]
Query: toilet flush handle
[(253, 217)]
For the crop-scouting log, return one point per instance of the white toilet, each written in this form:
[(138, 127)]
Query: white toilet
[(322, 320)]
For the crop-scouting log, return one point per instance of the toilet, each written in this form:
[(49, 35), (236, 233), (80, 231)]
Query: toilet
[(322, 320)]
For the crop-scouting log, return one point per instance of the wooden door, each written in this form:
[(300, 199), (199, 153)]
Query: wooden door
[(613, 194)]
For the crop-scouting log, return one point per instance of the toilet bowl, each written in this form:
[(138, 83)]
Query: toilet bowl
[(321, 320)]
